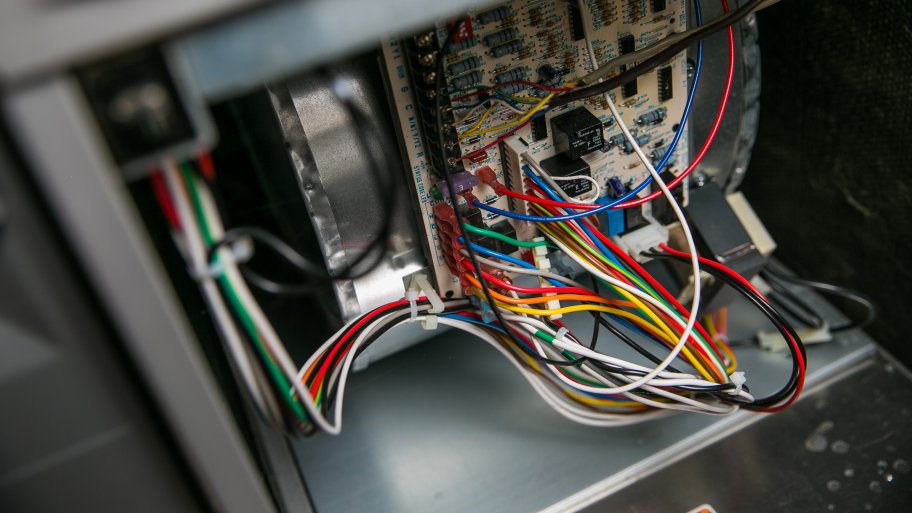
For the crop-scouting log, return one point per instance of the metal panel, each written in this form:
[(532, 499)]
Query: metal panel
[(473, 437), (283, 39), (844, 448), (39, 36), (92, 205)]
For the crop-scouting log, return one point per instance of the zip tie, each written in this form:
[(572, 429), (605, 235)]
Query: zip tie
[(738, 379), (238, 252), (560, 334), (436, 303), (412, 296)]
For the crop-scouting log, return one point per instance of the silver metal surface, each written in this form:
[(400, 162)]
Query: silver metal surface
[(91, 203), (341, 192), (473, 437), (287, 37), (844, 448), (38, 37)]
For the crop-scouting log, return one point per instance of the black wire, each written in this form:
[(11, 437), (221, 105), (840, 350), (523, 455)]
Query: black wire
[(663, 56), (441, 140), (793, 305), (775, 317), (773, 273)]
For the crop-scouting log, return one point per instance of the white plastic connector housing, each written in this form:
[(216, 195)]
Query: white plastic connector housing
[(539, 255), (774, 342), (643, 239), (761, 238)]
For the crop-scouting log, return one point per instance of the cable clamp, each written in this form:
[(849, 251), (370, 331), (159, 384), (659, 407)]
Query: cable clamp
[(412, 296), (418, 284), (238, 252), (738, 379), (560, 334)]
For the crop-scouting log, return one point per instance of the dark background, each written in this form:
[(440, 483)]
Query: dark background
[(829, 174)]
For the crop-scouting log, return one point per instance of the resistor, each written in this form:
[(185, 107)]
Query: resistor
[(467, 80), (494, 15), (640, 139), (512, 89), (659, 153), (510, 75), (652, 117), (458, 46), (464, 65), (507, 48), (501, 36)]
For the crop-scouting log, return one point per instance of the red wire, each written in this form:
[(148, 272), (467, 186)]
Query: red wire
[(484, 148), (791, 339), (712, 133), (503, 191), (530, 290), (164, 199), (344, 339), (483, 89)]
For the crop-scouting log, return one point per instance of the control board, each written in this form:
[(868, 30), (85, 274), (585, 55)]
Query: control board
[(492, 66)]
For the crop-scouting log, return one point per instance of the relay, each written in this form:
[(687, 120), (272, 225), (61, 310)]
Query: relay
[(563, 166), (577, 132)]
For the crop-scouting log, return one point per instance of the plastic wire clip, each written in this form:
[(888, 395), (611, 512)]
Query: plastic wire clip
[(418, 284), (237, 252)]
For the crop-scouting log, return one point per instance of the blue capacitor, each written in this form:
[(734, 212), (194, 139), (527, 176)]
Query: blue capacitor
[(467, 80), (652, 117), (493, 15), (507, 48), (617, 187), (510, 75), (501, 36), (464, 65)]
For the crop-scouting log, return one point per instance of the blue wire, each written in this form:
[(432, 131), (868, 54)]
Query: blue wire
[(550, 192), (473, 321), (507, 258), (698, 15)]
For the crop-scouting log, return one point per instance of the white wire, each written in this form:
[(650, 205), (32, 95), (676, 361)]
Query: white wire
[(596, 191), (264, 327), (195, 253), (695, 263)]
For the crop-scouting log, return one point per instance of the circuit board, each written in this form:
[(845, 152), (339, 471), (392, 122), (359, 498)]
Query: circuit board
[(540, 41)]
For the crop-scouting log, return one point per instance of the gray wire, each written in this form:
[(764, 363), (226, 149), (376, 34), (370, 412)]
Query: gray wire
[(533, 272)]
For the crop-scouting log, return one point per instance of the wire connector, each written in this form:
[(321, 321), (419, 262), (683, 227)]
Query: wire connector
[(738, 379), (418, 284), (238, 252)]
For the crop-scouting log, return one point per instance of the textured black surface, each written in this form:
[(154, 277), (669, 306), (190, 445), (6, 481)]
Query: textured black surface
[(829, 175)]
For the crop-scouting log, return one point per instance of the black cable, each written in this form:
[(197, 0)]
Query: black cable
[(656, 60), (383, 178), (775, 272), (775, 317)]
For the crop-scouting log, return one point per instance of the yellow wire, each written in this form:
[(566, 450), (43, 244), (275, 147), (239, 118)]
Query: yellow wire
[(732, 361), (576, 396), (473, 131), (607, 309), (481, 120), (671, 336)]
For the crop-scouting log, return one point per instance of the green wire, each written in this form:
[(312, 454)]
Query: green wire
[(502, 237), (246, 321)]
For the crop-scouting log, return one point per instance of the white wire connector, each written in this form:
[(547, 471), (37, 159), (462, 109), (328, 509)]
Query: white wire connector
[(238, 252), (559, 336), (738, 379), (418, 284), (540, 257)]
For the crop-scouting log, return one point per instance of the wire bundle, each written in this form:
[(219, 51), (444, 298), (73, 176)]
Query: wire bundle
[(686, 367)]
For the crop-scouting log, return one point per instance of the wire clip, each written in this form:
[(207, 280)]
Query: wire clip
[(237, 252), (738, 379), (418, 284)]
